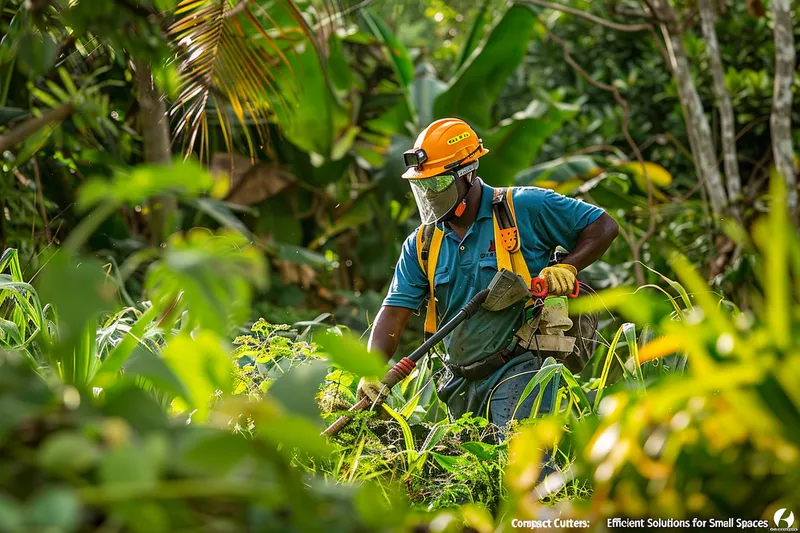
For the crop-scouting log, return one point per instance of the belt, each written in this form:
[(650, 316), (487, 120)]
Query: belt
[(488, 365)]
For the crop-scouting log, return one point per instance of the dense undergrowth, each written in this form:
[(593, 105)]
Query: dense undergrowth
[(156, 418)]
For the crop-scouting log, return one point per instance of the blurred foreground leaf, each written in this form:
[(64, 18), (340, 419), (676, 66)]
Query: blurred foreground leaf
[(350, 353)]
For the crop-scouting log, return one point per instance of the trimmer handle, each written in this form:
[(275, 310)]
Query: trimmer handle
[(539, 288)]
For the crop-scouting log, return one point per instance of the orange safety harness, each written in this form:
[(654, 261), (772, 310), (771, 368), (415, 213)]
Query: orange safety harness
[(508, 248)]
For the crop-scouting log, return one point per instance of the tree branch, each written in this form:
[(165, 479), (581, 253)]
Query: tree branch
[(727, 121), (604, 22), (29, 127), (604, 87), (697, 127), (588, 16), (781, 117), (636, 246)]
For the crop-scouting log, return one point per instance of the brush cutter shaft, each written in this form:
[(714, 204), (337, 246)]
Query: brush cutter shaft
[(404, 367)]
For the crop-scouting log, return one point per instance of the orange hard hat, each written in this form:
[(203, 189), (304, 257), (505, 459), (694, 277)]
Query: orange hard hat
[(442, 146)]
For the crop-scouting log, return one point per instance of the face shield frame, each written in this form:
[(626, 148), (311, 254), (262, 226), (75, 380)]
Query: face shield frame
[(438, 196)]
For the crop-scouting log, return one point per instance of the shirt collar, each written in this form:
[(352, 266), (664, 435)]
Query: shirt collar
[(487, 193)]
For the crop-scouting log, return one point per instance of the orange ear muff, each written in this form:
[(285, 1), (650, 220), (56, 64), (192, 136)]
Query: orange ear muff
[(461, 207)]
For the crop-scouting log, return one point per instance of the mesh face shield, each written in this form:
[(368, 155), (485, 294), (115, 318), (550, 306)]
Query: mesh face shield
[(438, 195)]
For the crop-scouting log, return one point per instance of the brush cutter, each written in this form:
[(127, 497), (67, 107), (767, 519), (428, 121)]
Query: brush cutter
[(505, 290)]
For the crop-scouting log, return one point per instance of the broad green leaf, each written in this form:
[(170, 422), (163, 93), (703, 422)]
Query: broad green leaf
[(439, 431), (78, 290), (338, 70), (7, 114), (36, 53), (289, 433), (408, 437), (476, 31), (476, 85), (350, 353), (358, 213), (11, 515), (277, 223), (581, 400), (425, 90), (211, 451), (153, 368), (481, 450), (130, 463), (54, 509), (167, 79), (296, 390), (343, 144), (34, 143), (641, 306), (513, 144), (69, 452), (136, 185), (612, 192), (202, 364), (562, 175), (542, 378), (302, 256), (213, 273), (312, 118), (398, 55), (128, 401), (222, 213), (451, 463), (773, 235)]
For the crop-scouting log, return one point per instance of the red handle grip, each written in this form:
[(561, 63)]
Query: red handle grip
[(539, 288)]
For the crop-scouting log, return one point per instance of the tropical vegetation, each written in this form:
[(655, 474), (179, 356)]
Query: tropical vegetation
[(200, 212)]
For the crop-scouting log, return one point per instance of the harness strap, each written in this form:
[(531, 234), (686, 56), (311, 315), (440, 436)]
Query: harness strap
[(508, 249), (429, 243)]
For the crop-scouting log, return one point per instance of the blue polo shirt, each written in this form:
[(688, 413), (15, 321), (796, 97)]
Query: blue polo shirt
[(545, 220)]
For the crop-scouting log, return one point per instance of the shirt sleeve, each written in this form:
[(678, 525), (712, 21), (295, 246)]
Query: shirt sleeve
[(409, 285), (560, 220)]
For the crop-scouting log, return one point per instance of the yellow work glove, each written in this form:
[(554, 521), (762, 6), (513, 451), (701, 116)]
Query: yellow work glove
[(560, 279), (373, 389)]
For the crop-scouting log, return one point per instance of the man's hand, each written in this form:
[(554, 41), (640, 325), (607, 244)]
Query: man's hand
[(560, 279), (373, 389)]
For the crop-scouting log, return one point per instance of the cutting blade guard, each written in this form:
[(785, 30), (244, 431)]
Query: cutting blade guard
[(505, 290)]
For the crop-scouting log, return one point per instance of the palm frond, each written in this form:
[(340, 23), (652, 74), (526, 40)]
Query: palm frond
[(234, 65)]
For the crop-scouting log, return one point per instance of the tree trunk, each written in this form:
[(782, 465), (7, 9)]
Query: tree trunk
[(727, 121), (781, 118), (705, 161), (155, 136)]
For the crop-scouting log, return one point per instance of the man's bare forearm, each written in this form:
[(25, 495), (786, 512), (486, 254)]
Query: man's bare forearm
[(386, 330), (593, 242)]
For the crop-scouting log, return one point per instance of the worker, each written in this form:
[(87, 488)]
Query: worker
[(488, 370)]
